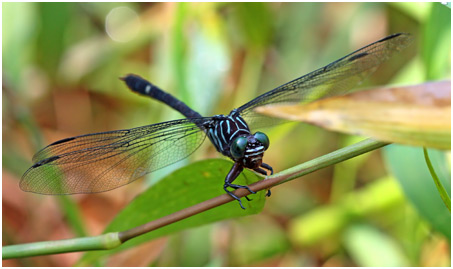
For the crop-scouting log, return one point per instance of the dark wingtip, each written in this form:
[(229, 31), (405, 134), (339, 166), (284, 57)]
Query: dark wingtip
[(358, 56), (45, 161), (62, 141), (394, 35)]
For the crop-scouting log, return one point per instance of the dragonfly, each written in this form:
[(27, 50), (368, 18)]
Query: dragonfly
[(104, 161)]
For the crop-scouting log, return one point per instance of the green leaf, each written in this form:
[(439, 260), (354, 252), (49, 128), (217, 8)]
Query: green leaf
[(54, 20), (185, 187), (408, 166), (256, 35), (72, 213), (251, 246), (326, 222), (18, 39), (436, 49), (205, 74), (178, 52), (370, 247)]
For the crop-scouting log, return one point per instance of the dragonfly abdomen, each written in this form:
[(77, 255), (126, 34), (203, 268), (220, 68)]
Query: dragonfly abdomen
[(142, 86)]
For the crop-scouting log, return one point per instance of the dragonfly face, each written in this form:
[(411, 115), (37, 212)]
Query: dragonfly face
[(249, 150)]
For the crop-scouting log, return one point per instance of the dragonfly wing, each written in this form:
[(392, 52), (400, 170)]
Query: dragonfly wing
[(104, 161), (336, 78)]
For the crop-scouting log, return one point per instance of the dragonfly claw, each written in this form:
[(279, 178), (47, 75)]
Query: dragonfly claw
[(234, 186), (235, 197)]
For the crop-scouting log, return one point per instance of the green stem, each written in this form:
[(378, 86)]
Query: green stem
[(440, 188), (105, 241), (332, 158), (112, 240)]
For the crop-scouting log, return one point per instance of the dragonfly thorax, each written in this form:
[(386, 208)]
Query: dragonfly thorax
[(231, 136), (224, 129)]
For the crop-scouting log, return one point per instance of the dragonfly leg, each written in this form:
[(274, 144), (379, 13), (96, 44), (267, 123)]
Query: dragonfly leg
[(234, 186), (232, 175), (263, 172), (232, 195), (268, 167)]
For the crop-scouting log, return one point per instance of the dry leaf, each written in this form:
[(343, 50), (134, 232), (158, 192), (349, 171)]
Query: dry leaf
[(417, 115)]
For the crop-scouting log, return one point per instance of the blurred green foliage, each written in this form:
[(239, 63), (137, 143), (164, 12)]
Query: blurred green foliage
[(181, 189), (61, 63)]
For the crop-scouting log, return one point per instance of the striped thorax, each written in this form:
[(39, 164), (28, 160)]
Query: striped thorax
[(231, 136)]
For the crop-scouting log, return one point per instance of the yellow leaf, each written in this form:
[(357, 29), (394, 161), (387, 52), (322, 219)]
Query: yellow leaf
[(417, 115)]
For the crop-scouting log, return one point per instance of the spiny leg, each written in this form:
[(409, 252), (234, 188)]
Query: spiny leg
[(232, 175), (268, 167), (234, 186), (246, 197), (263, 172), (232, 195)]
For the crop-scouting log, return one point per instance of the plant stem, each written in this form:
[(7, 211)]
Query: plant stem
[(112, 240), (440, 188), (105, 241)]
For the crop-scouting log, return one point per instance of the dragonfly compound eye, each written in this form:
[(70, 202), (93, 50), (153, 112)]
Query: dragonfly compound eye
[(237, 148), (263, 139)]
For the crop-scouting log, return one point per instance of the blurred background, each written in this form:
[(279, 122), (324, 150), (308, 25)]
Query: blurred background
[(61, 64)]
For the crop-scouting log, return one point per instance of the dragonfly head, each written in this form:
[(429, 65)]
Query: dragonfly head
[(249, 149)]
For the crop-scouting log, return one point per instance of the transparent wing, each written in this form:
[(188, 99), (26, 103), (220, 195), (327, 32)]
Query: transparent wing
[(336, 78), (104, 161)]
